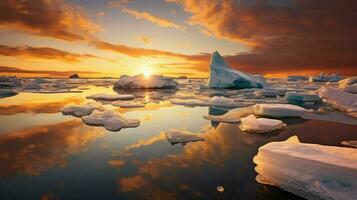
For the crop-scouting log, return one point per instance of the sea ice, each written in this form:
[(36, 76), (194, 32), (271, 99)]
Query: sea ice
[(266, 93), (141, 82), (81, 110), (7, 93), (326, 78), (111, 97), (312, 171), (351, 143), (232, 116), (127, 104), (339, 99), (9, 82), (297, 78), (110, 120), (33, 86), (302, 97), (175, 136), (40, 80), (279, 110), (260, 125), (349, 85), (223, 76)]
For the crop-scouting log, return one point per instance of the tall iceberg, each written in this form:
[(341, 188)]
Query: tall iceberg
[(223, 76)]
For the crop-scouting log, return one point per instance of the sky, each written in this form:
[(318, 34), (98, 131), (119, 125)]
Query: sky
[(176, 37)]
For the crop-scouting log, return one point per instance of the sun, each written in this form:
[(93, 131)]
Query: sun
[(146, 73)]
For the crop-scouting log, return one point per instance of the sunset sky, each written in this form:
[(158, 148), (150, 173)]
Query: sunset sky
[(176, 37)]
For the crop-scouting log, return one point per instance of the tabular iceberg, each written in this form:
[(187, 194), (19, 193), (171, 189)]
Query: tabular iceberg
[(223, 76), (141, 82), (309, 170)]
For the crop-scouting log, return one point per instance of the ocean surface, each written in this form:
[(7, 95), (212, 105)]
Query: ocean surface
[(47, 155)]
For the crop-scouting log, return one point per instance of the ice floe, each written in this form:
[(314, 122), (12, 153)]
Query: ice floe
[(81, 110), (297, 78), (351, 143), (223, 76), (302, 97), (326, 78), (260, 125), (110, 120), (349, 85), (312, 171), (175, 136), (141, 82), (339, 99), (111, 97), (279, 110), (266, 93), (232, 116), (123, 104)]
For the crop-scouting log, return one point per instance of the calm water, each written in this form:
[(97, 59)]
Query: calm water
[(46, 155)]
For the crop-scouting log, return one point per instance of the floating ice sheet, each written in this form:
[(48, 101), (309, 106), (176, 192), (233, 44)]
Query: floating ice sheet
[(81, 110), (142, 82), (127, 104), (175, 136), (111, 97), (278, 110), (339, 99), (232, 116), (260, 125), (302, 97), (309, 170)]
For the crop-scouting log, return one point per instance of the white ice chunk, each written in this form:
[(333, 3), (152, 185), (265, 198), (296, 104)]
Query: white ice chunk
[(260, 125), (232, 116), (351, 143), (349, 85), (141, 82), (181, 136), (302, 97), (339, 99), (81, 110), (312, 171), (110, 120), (127, 104), (279, 110), (223, 76), (111, 97)]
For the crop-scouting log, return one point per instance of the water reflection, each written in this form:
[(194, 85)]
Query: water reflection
[(33, 150)]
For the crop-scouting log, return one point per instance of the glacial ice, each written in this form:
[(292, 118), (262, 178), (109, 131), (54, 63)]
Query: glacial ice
[(81, 110), (302, 97), (278, 110), (297, 78), (110, 120), (312, 171), (260, 125), (111, 97), (127, 104), (223, 76), (175, 136), (232, 116), (351, 143), (326, 78), (339, 99), (141, 82)]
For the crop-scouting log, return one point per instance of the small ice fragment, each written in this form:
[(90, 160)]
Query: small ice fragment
[(260, 125), (302, 97), (279, 110), (175, 136), (232, 116), (111, 97), (81, 110), (312, 171), (110, 120), (220, 188), (326, 78), (141, 82), (127, 104), (351, 143), (266, 93), (339, 99), (297, 78)]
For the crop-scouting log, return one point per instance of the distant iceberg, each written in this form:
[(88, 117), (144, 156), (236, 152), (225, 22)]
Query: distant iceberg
[(326, 78), (309, 170), (297, 78), (302, 97), (223, 76), (111, 97), (141, 82), (279, 110)]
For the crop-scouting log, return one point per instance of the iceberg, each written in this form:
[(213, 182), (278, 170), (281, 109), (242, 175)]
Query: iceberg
[(297, 78), (351, 143), (110, 120), (223, 76), (232, 116), (111, 97), (175, 136), (279, 110), (339, 99), (302, 97), (309, 170), (74, 76), (122, 104), (141, 82), (260, 125), (326, 78), (81, 110)]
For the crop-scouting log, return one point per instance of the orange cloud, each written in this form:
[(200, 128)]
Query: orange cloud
[(42, 53), (153, 19), (48, 18)]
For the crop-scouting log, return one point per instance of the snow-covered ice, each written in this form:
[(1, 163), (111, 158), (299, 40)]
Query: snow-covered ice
[(260, 125), (141, 82), (111, 97), (279, 110), (81, 110), (232, 116), (312, 171), (339, 99), (110, 120), (175, 136), (302, 97), (223, 76)]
